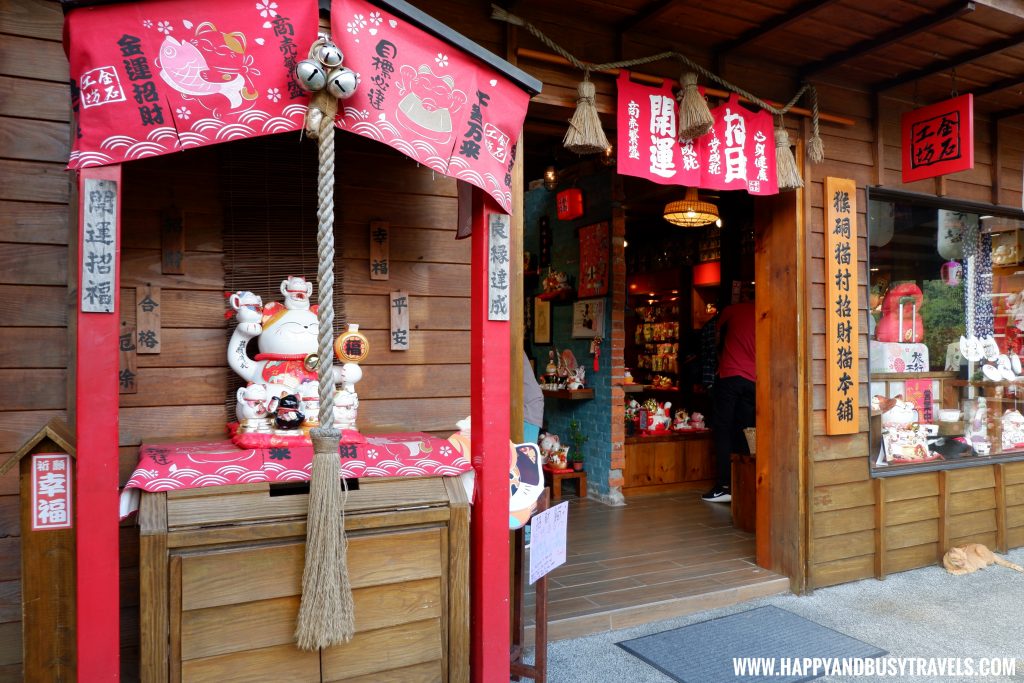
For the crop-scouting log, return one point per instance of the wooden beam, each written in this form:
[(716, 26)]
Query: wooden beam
[(950, 12), (549, 58), (779, 22), (1007, 113), (997, 161), (1002, 84), (1011, 7), (646, 13), (96, 432), (953, 62)]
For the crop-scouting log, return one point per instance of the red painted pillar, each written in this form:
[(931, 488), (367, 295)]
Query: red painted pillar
[(96, 405), (489, 406)]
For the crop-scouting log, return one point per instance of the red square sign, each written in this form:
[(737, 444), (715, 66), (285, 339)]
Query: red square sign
[(51, 491), (938, 139)]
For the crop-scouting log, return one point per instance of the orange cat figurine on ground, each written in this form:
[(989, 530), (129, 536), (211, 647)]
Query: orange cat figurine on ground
[(972, 557)]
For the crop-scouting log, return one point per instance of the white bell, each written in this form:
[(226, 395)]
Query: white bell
[(311, 75), (329, 55), (342, 82)]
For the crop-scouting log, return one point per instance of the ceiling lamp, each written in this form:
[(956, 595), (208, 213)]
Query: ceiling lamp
[(690, 212)]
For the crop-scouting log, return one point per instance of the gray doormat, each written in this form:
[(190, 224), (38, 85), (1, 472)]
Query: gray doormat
[(705, 652)]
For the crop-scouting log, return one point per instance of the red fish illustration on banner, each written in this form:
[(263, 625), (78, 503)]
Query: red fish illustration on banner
[(646, 138), (738, 153), (156, 77), (418, 94)]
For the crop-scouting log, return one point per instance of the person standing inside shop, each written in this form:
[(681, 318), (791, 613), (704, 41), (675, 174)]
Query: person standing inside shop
[(533, 403), (733, 393)]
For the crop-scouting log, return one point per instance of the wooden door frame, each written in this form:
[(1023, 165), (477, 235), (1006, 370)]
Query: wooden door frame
[(782, 390)]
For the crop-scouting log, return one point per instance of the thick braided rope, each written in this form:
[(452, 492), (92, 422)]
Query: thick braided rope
[(502, 15), (325, 270)]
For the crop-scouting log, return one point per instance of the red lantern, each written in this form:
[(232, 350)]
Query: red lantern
[(570, 204)]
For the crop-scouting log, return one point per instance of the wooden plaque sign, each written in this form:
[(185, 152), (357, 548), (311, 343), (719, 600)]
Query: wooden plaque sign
[(380, 251), (498, 267), (400, 321), (99, 245), (841, 327)]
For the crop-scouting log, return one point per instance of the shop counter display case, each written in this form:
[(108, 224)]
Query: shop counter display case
[(668, 461), (221, 574)]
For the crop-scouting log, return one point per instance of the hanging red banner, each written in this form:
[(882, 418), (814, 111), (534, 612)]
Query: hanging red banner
[(428, 99), (646, 138), (738, 153), (938, 139), (151, 78)]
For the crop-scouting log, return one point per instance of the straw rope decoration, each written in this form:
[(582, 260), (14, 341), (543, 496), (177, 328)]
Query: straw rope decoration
[(695, 118), (326, 612)]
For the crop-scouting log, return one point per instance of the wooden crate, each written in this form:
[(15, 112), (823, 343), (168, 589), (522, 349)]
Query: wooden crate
[(221, 575)]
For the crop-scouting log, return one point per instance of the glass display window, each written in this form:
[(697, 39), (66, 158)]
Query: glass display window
[(945, 333)]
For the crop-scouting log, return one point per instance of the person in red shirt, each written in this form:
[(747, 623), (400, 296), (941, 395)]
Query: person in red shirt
[(733, 393)]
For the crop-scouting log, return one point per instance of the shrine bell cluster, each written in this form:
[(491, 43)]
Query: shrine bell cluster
[(323, 69)]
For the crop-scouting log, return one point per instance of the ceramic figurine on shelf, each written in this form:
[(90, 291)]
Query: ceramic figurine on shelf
[(309, 404), (697, 421), (351, 347), (660, 420), (252, 409), (286, 341), (576, 379), (556, 282), (977, 434), (248, 307), (287, 416), (681, 421)]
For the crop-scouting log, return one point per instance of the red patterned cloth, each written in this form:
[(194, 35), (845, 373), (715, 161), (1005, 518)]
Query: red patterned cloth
[(196, 464)]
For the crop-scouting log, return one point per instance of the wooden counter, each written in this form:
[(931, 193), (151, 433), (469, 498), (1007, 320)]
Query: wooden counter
[(669, 461), (221, 574)]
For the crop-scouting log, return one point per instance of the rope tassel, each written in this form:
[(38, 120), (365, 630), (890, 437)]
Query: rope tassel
[(326, 613), (695, 118), (785, 163), (585, 135)]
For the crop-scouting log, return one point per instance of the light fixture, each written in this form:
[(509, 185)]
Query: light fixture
[(550, 178), (608, 156), (690, 212)]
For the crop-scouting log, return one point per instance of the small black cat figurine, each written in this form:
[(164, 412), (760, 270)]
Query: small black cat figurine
[(288, 417)]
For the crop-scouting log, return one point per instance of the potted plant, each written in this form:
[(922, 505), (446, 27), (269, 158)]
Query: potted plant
[(578, 438)]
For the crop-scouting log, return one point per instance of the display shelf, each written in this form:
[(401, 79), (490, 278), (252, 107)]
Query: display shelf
[(559, 296), (569, 394), (891, 376), (633, 387)]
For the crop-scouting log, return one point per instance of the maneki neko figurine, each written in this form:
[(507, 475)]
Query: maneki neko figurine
[(681, 421), (252, 406), (286, 339), (661, 420)]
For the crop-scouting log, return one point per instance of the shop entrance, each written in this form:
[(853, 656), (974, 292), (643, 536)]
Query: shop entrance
[(662, 543)]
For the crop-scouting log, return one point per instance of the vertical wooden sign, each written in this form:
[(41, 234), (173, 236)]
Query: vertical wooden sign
[(842, 308), (127, 367), (399, 321), (172, 241), (100, 247), (380, 251), (147, 319), (498, 263), (51, 491)]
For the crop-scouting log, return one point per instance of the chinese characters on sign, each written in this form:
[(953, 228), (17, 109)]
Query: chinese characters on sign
[(498, 264), (380, 251), (938, 139), (157, 77), (738, 153), (547, 540), (127, 372), (51, 491), (99, 245), (593, 260), (147, 319), (842, 307), (399, 321), (429, 100), (647, 147)]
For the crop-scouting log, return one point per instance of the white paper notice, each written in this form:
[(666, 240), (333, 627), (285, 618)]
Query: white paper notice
[(547, 540)]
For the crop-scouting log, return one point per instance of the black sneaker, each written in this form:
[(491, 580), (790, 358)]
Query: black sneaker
[(719, 494)]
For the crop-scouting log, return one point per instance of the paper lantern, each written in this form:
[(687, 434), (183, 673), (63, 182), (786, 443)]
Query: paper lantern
[(570, 204)]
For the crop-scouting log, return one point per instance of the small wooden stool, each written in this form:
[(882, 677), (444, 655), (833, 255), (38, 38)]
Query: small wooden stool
[(744, 492), (553, 478)]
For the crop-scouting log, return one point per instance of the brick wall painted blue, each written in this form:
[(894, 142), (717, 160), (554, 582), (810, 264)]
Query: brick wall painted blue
[(594, 415)]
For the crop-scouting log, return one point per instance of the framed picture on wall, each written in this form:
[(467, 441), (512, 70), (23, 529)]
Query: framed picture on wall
[(541, 321), (588, 318)]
